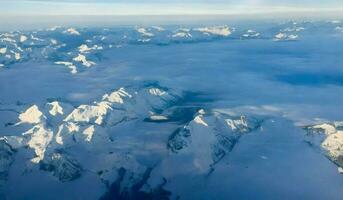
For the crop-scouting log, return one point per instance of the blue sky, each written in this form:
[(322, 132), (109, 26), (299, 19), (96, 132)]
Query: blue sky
[(157, 7)]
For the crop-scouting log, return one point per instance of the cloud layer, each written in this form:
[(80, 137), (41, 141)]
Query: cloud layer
[(160, 7)]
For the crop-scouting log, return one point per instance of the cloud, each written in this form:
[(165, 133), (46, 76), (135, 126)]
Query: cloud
[(162, 7), (226, 2)]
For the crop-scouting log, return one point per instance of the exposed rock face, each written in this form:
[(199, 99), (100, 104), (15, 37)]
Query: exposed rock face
[(210, 136), (62, 166), (128, 186), (328, 136), (178, 139), (6, 159)]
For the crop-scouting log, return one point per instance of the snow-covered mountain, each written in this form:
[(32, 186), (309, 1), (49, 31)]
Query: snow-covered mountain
[(209, 137), (189, 111), (80, 48), (67, 142), (329, 138)]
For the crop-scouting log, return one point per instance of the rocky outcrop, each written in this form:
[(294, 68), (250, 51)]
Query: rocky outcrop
[(62, 166), (6, 159), (129, 186)]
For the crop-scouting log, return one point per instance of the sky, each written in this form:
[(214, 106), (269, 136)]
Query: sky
[(163, 7)]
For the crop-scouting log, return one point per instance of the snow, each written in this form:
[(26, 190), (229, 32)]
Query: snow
[(87, 113), (201, 112), (3, 50), (117, 96), (251, 34), (332, 142), (40, 139), (157, 92), (158, 117), (17, 56), (199, 120), (50, 150), (72, 31), (70, 65), (284, 36), (82, 59), (88, 132), (66, 129), (36, 38), (53, 41), (137, 109), (235, 124), (158, 28), (144, 40), (72, 127), (292, 37), (208, 138), (84, 48), (293, 29), (144, 32), (54, 28), (22, 38), (14, 141), (182, 35), (326, 127), (216, 30), (55, 108), (280, 36), (7, 39), (97, 112), (32, 115)]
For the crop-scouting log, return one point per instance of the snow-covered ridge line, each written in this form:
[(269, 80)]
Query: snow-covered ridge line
[(144, 32), (251, 34), (215, 30), (72, 31), (59, 44), (285, 37), (58, 127), (209, 137)]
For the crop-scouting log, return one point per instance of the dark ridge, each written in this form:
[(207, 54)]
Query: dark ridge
[(117, 191)]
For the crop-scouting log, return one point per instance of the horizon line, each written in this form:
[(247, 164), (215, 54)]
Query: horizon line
[(43, 8)]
